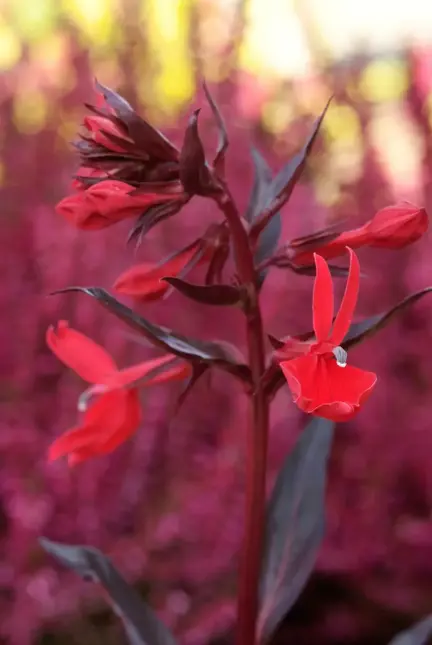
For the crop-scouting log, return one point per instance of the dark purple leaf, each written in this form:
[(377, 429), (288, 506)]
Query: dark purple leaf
[(275, 342), (258, 200), (153, 216), (284, 263), (219, 160), (295, 525), (141, 624), (198, 370), (267, 241), (142, 133), (218, 261), (195, 174), (326, 235), (218, 354), (284, 182), (365, 328), (419, 634), (215, 294)]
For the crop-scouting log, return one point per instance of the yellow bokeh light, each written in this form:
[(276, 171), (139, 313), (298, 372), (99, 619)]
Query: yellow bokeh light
[(30, 110), (384, 80), (34, 20), (342, 123), (96, 19), (10, 47), (167, 28)]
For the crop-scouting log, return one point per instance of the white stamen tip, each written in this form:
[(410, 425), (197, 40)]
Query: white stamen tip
[(82, 401), (340, 356)]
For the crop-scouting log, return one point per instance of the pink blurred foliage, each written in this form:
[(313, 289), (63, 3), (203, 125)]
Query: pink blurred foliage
[(167, 506)]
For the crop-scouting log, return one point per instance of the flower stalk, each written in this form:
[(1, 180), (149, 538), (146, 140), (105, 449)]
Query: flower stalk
[(256, 457)]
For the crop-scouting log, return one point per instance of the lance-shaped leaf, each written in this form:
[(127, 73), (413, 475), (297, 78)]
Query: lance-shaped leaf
[(218, 354), (153, 216), (258, 200), (267, 241), (215, 294), (284, 182), (195, 174), (295, 525), (198, 370), (219, 160), (285, 263), (365, 328), (419, 634), (141, 624)]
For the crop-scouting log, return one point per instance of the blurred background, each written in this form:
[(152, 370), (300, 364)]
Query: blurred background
[(167, 506)]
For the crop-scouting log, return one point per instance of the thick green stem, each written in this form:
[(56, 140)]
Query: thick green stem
[(256, 462)]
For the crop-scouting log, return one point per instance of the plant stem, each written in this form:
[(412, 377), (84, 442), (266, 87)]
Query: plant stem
[(256, 461)]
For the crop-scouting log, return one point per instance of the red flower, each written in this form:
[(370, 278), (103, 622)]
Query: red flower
[(317, 374), (392, 227), (143, 281), (116, 414), (107, 203)]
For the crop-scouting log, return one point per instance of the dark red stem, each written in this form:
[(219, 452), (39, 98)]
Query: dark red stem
[(256, 461)]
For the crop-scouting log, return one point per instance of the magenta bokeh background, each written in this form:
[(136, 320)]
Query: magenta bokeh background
[(167, 507)]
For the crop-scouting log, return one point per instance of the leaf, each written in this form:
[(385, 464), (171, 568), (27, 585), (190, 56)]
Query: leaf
[(141, 624), (152, 216), (419, 634), (365, 328), (219, 160), (262, 180), (198, 370), (217, 262), (215, 294), (284, 263), (295, 525), (195, 174), (267, 241), (215, 353), (286, 179)]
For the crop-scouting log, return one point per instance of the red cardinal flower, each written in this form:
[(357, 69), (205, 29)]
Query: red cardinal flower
[(392, 227), (116, 413), (318, 376), (143, 281), (107, 203)]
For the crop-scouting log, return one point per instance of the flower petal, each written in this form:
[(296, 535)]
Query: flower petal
[(319, 386), (88, 359), (322, 305), (151, 372), (346, 310), (110, 421)]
